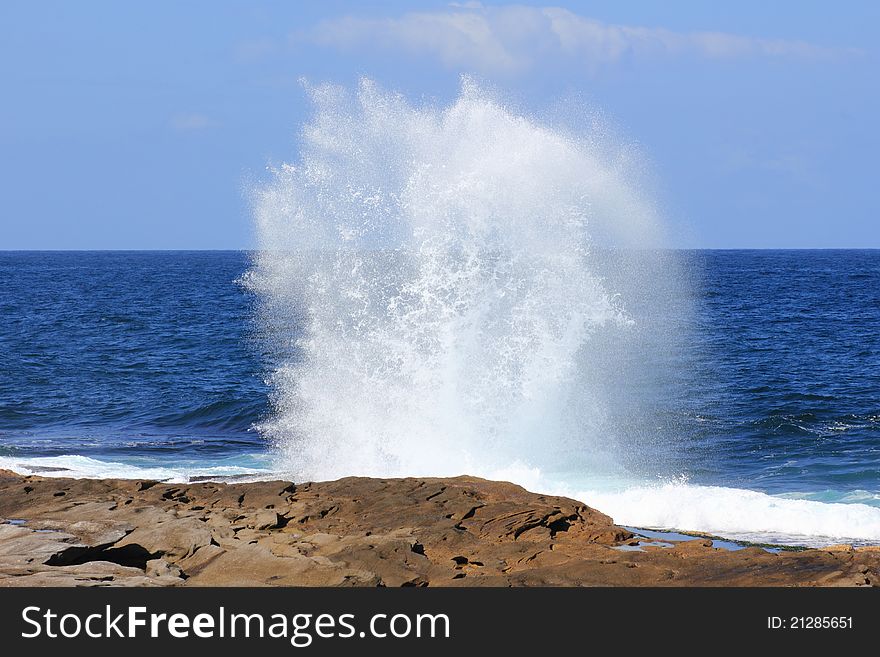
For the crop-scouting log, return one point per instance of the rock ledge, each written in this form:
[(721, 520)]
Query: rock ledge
[(460, 531)]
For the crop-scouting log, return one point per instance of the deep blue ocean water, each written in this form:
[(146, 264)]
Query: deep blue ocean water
[(141, 356), (790, 343), (151, 360)]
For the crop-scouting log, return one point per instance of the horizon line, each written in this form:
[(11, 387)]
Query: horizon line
[(252, 250)]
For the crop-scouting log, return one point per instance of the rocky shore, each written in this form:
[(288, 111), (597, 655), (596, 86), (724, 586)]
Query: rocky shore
[(461, 531)]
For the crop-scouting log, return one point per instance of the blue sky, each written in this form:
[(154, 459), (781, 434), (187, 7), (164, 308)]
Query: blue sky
[(140, 125)]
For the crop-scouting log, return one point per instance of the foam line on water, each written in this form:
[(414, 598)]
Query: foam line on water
[(84, 467), (738, 514)]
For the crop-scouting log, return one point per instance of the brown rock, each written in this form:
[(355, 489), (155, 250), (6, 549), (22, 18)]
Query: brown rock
[(460, 531)]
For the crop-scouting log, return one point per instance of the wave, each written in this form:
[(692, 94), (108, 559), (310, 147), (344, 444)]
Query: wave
[(453, 288)]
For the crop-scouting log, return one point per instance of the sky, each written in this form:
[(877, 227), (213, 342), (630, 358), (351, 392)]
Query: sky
[(142, 125)]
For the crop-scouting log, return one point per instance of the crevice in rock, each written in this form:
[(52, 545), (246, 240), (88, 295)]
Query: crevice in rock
[(433, 495), (416, 581), (133, 555), (472, 511), (559, 525), (176, 495)]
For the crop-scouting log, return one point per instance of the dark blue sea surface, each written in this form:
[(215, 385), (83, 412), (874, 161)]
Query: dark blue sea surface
[(790, 342), (151, 358), (128, 355)]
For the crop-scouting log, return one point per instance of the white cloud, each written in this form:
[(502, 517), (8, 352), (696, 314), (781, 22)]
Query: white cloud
[(192, 122), (513, 38)]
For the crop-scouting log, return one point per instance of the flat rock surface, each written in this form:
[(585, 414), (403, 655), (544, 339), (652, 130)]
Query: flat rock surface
[(460, 531)]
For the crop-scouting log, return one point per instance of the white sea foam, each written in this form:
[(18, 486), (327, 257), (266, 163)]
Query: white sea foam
[(738, 514), (428, 281), (83, 467)]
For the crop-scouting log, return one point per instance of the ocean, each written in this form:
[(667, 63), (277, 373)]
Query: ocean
[(761, 422), (136, 358)]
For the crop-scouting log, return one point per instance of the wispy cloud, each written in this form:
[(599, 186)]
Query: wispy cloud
[(192, 122), (514, 38)]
